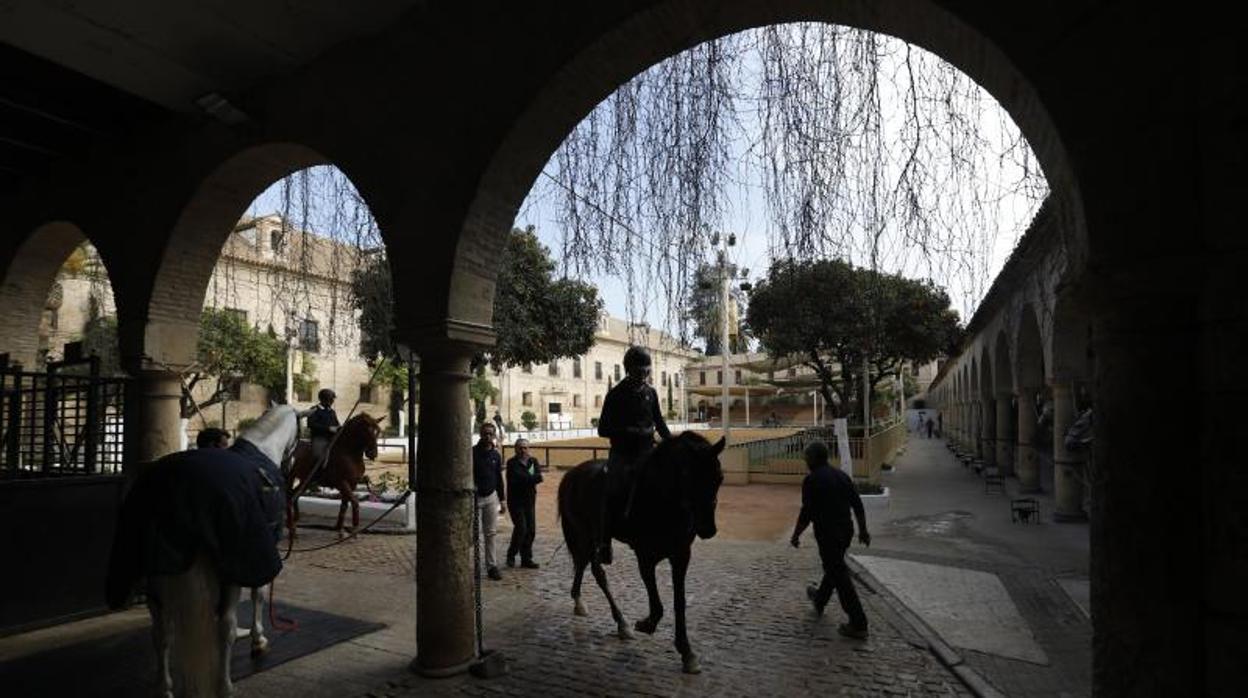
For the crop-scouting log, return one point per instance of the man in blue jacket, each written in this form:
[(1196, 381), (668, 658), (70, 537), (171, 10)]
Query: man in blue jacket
[(524, 474), (828, 496)]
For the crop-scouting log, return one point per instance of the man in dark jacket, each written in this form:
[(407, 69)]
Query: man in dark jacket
[(487, 476), (828, 495), (322, 423), (524, 473), (630, 417)]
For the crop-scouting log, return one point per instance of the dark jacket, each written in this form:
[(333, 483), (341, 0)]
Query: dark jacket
[(487, 471), (321, 422), (630, 416), (828, 495), (523, 476)]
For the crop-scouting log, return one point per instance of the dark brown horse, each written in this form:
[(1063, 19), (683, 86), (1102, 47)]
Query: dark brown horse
[(343, 469), (673, 500)]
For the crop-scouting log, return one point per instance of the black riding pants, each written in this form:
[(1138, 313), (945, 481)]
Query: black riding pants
[(836, 577), (523, 511)]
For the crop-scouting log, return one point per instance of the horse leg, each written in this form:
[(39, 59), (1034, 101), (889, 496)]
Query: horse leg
[(227, 631), (342, 510), (578, 606), (259, 643), (162, 633), (355, 507), (620, 624), (689, 660), (647, 625)]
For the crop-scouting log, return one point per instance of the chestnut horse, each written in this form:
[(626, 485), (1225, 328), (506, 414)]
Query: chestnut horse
[(674, 492), (342, 470)]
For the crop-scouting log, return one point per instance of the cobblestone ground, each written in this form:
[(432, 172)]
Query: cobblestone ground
[(749, 621)]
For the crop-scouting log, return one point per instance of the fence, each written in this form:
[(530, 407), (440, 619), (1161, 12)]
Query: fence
[(66, 421), (783, 456)]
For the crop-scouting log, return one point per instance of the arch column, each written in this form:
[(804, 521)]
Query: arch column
[(988, 432), (153, 415), (1028, 461), (1068, 467), (1004, 422), (445, 603)]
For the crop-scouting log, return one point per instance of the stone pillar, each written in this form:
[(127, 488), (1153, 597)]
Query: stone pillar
[(445, 621), (1005, 433), (988, 432), (1028, 468), (153, 416), (1068, 467)]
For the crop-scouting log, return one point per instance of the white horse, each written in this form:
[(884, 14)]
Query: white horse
[(193, 606)]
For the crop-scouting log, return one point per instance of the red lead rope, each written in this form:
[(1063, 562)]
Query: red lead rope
[(279, 623)]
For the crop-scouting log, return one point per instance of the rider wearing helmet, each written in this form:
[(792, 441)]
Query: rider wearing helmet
[(322, 423), (630, 417)]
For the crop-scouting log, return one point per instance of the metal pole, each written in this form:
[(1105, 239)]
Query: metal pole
[(723, 334)]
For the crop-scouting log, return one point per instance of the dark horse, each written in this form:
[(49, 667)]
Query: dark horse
[(673, 495), (343, 469)]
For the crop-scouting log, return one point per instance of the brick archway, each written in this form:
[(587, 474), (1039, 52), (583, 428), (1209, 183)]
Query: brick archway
[(659, 32)]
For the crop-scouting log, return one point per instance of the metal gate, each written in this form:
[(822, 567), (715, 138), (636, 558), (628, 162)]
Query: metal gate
[(64, 421)]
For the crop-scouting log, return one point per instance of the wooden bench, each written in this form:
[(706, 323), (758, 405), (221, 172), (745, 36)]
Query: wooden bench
[(992, 478)]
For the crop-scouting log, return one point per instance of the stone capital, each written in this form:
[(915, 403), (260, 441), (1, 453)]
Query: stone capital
[(447, 337)]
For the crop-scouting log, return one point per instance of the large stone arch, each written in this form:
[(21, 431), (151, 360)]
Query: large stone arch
[(628, 47), (1030, 364), (28, 279), (170, 328)]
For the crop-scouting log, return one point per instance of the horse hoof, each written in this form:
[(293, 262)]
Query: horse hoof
[(691, 665), (624, 632), (647, 626), (579, 609), (259, 649)]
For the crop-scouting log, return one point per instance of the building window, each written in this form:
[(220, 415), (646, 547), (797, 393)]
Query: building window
[(701, 377), (664, 379), (304, 390), (366, 392), (576, 367), (617, 373), (553, 369), (719, 378), (275, 240), (576, 400), (526, 368), (233, 387), (597, 401), (677, 377), (792, 372), (309, 335), (239, 316), (597, 370), (736, 376), (526, 399)]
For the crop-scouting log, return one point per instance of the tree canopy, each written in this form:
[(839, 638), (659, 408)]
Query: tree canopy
[(830, 315)]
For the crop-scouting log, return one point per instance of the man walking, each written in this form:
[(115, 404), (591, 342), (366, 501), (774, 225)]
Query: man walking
[(523, 475), (828, 494), (322, 423), (487, 476)]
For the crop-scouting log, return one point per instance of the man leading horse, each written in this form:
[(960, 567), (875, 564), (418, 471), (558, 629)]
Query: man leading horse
[(630, 417)]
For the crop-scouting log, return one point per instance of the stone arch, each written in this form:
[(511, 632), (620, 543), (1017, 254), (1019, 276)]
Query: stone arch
[(1002, 367), (28, 280), (1030, 363), (1071, 341), (170, 329), (987, 385), (574, 88)]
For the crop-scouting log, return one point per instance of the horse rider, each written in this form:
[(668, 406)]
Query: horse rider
[(322, 423), (630, 417)]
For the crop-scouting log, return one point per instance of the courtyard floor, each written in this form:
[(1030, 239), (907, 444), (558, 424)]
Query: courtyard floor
[(1006, 597)]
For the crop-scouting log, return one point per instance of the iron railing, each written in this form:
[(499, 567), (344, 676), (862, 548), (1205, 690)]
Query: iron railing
[(65, 421)]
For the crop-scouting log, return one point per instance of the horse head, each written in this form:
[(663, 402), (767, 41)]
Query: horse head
[(700, 476), (369, 432)]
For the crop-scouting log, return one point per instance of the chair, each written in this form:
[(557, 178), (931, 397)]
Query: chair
[(992, 478), (1024, 510)]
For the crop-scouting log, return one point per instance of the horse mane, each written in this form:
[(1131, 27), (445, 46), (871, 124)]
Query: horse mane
[(669, 449)]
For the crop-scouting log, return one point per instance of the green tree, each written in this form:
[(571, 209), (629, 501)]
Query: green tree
[(830, 316), (230, 350), (538, 318), (703, 306)]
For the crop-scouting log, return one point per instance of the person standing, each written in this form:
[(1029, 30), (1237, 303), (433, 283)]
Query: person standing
[(930, 426), (323, 423), (487, 476), (524, 474), (828, 496), (498, 425)]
